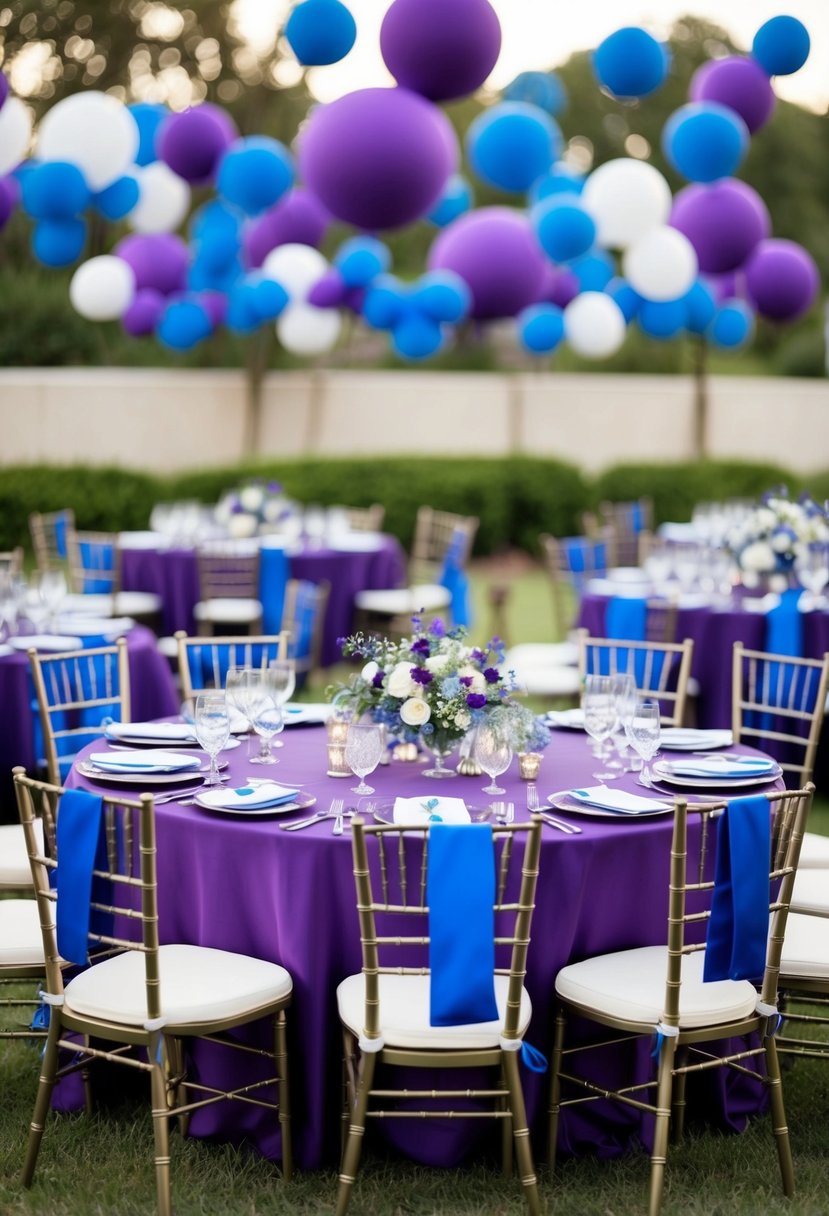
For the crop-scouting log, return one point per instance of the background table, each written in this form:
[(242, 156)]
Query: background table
[(244, 884)]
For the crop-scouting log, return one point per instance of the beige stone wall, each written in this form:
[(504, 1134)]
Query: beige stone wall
[(171, 420)]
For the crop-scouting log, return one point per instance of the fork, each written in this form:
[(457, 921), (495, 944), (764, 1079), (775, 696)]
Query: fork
[(306, 823), (336, 809), (534, 807)]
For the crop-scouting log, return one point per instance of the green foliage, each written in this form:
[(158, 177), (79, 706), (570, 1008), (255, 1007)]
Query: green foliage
[(108, 499), (676, 488)]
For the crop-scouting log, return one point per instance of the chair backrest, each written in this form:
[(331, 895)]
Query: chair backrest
[(303, 620), (204, 662), (76, 691), (435, 533), (94, 563), (778, 703), (366, 519), (570, 562), (128, 878), (11, 562), (390, 870), (228, 570), (690, 885), (660, 669), (629, 522), (51, 537)]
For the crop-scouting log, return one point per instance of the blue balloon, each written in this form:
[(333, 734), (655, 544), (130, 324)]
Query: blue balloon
[(320, 31), (442, 296), (541, 328), (455, 201), (202, 277), (183, 323), (270, 299), (700, 305), (148, 118), (417, 337), (705, 141), (58, 242), (629, 301), (563, 227), (254, 173), (542, 89), (54, 191), (560, 180), (631, 63), (781, 46), (118, 199), (511, 145), (662, 319), (385, 302), (594, 270), (242, 314), (732, 326), (361, 260)]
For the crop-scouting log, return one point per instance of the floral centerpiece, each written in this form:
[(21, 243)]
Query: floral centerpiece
[(254, 507), (776, 532), (429, 688)]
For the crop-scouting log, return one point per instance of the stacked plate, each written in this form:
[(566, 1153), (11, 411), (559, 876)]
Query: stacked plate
[(261, 798), (565, 719), (604, 802), (153, 766), (689, 739), (157, 734), (725, 771)]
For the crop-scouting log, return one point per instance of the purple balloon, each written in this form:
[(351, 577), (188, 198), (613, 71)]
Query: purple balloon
[(730, 286), (144, 313), (378, 158), (724, 222), (739, 83), (9, 196), (4, 89), (440, 48), (214, 304), (298, 219), (329, 291), (782, 280), (192, 143), (495, 252), (159, 260), (559, 286)]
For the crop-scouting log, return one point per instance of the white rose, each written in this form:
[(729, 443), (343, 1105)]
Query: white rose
[(251, 498), (242, 526), (765, 519), (758, 557), (478, 682), (438, 664), (463, 719), (369, 671), (781, 542), (400, 682), (415, 711), (272, 510)]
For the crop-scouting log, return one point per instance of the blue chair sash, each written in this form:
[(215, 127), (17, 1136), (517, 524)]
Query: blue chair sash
[(98, 562), (453, 578), (81, 849), (739, 923), (274, 571)]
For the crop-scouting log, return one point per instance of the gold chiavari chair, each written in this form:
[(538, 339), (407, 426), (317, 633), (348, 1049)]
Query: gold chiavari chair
[(303, 619), (631, 524), (634, 993), (21, 947), (660, 669), (76, 690), (51, 534), (385, 1009), (95, 579), (11, 562), (228, 587), (204, 662), (366, 519), (570, 562), (142, 994)]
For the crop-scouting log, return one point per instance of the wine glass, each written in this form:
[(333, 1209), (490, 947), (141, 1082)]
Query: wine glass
[(645, 732), (363, 750), (494, 754), (625, 694), (212, 729), (600, 717), (236, 691), (282, 674), (812, 566), (263, 711), (51, 588)]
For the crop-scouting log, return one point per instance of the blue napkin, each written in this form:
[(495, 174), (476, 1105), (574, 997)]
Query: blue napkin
[(81, 848), (273, 579), (453, 578), (739, 923), (460, 889)]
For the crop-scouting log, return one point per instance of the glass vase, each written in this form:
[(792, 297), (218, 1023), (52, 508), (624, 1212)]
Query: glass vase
[(440, 749)]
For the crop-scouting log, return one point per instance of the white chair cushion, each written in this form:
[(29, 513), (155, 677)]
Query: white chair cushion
[(198, 984), (168, 647), (137, 603), (427, 597), (811, 892), (226, 611), (404, 1014), (814, 852), (630, 986), (21, 943), (542, 654), (89, 605), (14, 860), (546, 681), (805, 949)]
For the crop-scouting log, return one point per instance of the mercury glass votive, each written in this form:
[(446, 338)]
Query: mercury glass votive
[(529, 764), (337, 730), (337, 766)]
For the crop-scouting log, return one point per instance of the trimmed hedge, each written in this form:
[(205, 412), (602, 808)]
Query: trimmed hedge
[(516, 497)]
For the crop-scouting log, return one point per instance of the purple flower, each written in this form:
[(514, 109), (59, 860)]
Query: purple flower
[(478, 655), (421, 675), (377, 682), (492, 675), (437, 628), (475, 700), (421, 646), (466, 681)]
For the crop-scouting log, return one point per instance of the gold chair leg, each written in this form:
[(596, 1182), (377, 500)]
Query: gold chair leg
[(284, 1096), (87, 1082), (679, 1104), (555, 1089), (349, 1047), (176, 1091), (506, 1130), (778, 1116), (161, 1132), (663, 1124), (46, 1084), (521, 1133), (356, 1132)]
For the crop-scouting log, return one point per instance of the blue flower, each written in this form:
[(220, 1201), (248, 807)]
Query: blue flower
[(492, 675), (450, 687), (437, 628), (421, 646), (422, 675), (476, 700)]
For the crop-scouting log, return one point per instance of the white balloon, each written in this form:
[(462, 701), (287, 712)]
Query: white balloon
[(94, 131), (296, 267), (594, 325), (15, 133), (662, 265), (102, 289), (626, 198), (163, 202), (305, 330)]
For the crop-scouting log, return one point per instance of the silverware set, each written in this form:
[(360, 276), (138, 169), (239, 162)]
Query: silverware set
[(535, 808)]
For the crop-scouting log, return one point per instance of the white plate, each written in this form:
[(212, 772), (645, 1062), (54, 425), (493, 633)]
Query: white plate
[(566, 719), (384, 813), (89, 626), (684, 739), (357, 542), (300, 714), (46, 641), (720, 784), (191, 774), (300, 803), (564, 801)]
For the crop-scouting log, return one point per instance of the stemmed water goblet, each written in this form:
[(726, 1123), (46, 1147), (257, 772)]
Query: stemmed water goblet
[(645, 732), (494, 754), (812, 567), (363, 751), (51, 590), (263, 711), (282, 679), (600, 718), (212, 724), (625, 694)]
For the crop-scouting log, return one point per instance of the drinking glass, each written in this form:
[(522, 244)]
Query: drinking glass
[(236, 691), (624, 692), (363, 749), (263, 712), (645, 732), (600, 717), (812, 566), (494, 754), (51, 588), (212, 724), (282, 674)]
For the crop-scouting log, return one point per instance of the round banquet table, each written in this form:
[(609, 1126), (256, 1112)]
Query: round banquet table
[(173, 574), (243, 884)]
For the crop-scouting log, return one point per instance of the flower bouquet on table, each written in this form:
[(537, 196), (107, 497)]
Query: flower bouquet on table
[(776, 534), (430, 688), (256, 507)]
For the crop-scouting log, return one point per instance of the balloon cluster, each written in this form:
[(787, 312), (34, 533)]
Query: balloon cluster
[(579, 259)]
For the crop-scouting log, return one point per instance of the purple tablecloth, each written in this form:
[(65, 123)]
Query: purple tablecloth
[(173, 574), (246, 885)]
